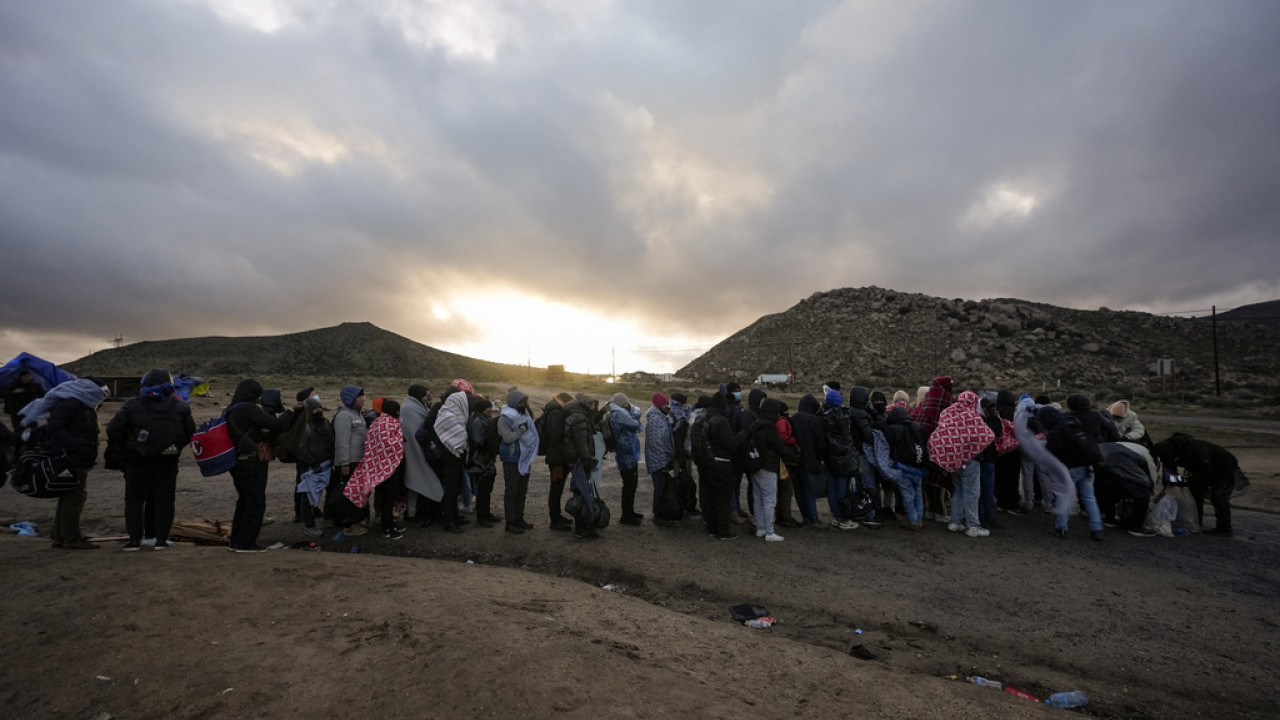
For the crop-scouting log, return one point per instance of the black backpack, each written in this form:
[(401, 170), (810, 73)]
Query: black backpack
[(908, 445), (1072, 443), (700, 444), (747, 457), (161, 431), (606, 431)]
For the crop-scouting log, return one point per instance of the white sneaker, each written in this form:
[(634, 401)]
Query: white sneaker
[(977, 531), (773, 537), (955, 527), (942, 518), (760, 533), (148, 542), (848, 525)]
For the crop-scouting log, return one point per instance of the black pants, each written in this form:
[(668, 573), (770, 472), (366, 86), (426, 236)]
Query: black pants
[(515, 490), (66, 520), (484, 483), (630, 480), (717, 485), (386, 495), (302, 506), (250, 479), (451, 468), (555, 493), (1220, 496), (1008, 475), (149, 491)]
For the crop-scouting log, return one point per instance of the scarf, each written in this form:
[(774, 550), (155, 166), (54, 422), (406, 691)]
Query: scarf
[(961, 434), (88, 392), (383, 453)]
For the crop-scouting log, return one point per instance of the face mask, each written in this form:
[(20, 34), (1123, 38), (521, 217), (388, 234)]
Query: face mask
[(737, 396)]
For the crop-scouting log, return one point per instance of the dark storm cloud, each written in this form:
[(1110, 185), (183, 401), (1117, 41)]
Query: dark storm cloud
[(166, 171)]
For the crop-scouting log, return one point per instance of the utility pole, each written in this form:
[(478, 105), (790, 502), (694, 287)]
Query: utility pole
[(1217, 379)]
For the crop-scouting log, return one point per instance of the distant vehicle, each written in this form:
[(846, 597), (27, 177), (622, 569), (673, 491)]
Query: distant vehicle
[(774, 380)]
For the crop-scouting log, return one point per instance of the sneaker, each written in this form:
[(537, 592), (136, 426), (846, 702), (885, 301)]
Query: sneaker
[(250, 549), (162, 546), (1219, 532), (928, 516), (148, 542), (1060, 532), (133, 547), (787, 522), (1097, 535), (562, 524), (977, 531), (1143, 533), (629, 520), (356, 530), (529, 525), (835, 522), (873, 524), (81, 544), (727, 536), (400, 527), (1110, 523), (392, 534), (515, 529), (761, 533), (848, 525), (773, 537), (312, 531), (942, 518), (955, 527)]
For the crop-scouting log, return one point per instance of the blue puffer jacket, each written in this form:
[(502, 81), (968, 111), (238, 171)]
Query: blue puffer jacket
[(626, 429)]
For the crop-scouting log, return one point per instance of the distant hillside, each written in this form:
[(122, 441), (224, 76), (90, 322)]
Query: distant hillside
[(349, 350), (1264, 313), (883, 338)]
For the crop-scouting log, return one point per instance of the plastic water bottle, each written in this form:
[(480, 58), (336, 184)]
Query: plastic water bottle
[(1072, 699), (977, 680)]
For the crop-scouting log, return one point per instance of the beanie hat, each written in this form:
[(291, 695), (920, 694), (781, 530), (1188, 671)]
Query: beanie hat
[(680, 398), (377, 404), (418, 391), (620, 400), (834, 397), (349, 394), (660, 401), (304, 394)]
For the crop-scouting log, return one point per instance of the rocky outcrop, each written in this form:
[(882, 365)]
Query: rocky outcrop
[(884, 338)]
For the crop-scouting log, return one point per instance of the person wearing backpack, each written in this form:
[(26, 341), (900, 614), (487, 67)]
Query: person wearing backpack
[(1071, 442), (552, 437), (251, 426), (151, 431), (66, 419), (624, 419), (909, 455), (763, 435), (659, 458)]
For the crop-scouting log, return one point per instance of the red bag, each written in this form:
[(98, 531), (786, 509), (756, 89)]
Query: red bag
[(212, 447), (1007, 441)]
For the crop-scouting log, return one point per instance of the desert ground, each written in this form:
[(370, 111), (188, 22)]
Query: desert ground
[(491, 624)]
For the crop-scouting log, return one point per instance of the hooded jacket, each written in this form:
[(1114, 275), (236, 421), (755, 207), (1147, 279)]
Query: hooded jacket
[(764, 430), (553, 432), (579, 430), (659, 439), (961, 434), (937, 399), (248, 423), (73, 420), (137, 413), (626, 428), (1126, 421), (349, 429), (810, 433), (843, 448), (1097, 422)]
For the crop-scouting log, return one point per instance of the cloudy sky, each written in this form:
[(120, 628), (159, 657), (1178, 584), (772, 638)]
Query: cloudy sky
[(569, 180)]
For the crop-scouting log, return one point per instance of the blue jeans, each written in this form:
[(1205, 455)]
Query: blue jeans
[(1083, 478), (909, 487), (837, 487), (765, 494), (807, 484), (964, 498), (987, 503)]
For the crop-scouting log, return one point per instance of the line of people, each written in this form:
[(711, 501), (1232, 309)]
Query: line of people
[(958, 459)]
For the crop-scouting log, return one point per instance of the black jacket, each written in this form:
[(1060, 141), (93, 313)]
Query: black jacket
[(73, 429), (134, 415), (810, 434), (553, 433), (579, 429), (765, 432)]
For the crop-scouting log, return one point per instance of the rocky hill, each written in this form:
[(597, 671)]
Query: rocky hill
[(345, 351), (883, 338)]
